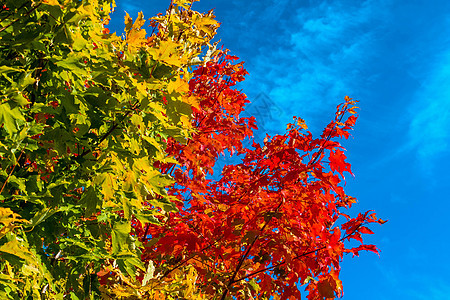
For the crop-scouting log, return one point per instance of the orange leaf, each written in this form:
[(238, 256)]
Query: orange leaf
[(325, 289)]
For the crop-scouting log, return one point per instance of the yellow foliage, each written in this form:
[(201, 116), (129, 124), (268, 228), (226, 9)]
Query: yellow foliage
[(121, 98), (50, 2), (180, 283), (9, 220)]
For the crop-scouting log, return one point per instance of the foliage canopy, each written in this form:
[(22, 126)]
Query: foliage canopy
[(106, 147)]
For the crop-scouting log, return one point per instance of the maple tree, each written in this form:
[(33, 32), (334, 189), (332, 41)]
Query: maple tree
[(84, 116), (107, 151), (270, 223)]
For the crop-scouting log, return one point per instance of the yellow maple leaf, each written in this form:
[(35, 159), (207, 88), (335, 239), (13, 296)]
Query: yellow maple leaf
[(135, 38), (139, 21), (50, 2), (9, 219), (179, 86), (168, 52)]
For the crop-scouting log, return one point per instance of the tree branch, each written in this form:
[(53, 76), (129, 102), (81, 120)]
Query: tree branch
[(28, 13), (297, 257), (242, 259), (12, 170), (85, 152)]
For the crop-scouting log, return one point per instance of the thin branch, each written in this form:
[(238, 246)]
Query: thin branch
[(322, 147), (12, 170), (187, 259), (242, 259), (10, 14), (28, 13), (115, 125), (147, 227), (296, 257)]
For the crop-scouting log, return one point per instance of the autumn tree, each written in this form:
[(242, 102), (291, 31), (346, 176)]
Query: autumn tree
[(269, 224), (107, 147), (85, 115)]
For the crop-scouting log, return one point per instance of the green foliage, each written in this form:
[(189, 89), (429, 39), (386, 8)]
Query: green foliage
[(84, 117)]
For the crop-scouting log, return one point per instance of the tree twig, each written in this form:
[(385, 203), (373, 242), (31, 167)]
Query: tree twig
[(26, 15), (242, 259), (12, 170), (296, 257)]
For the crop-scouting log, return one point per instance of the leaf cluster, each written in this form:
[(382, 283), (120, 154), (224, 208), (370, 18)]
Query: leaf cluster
[(85, 115), (107, 149), (269, 224)]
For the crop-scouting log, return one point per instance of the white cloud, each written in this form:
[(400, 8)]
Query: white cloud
[(412, 285), (427, 287), (429, 128), (131, 8), (326, 46)]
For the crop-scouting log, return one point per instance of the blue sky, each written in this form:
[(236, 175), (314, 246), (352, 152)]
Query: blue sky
[(394, 56)]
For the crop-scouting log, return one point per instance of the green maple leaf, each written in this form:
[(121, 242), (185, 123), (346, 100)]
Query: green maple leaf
[(9, 117)]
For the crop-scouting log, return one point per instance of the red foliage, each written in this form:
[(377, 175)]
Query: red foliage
[(273, 220)]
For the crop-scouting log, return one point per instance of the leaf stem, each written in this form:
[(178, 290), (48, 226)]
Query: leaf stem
[(242, 259), (27, 13), (297, 257), (10, 14), (113, 127), (10, 173)]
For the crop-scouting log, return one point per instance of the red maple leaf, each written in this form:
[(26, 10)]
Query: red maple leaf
[(338, 163)]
